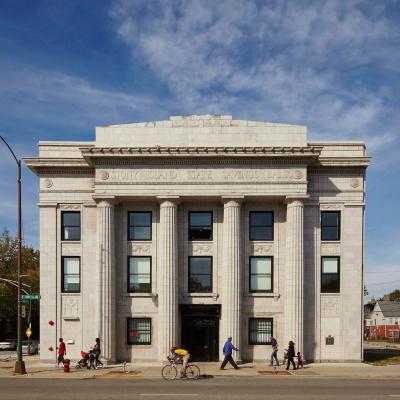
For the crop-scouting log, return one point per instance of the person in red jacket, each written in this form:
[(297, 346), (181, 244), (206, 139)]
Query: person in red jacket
[(62, 351)]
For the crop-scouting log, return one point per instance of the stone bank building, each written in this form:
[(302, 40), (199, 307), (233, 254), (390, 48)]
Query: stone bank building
[(186, 231)]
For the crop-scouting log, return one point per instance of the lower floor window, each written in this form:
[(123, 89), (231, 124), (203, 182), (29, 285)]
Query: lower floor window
[(71, 276), (330, 275), (200, 274), (139, 331), (260, 330)]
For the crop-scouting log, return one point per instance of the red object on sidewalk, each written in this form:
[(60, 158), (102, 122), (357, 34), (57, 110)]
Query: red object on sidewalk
[(66, 363)]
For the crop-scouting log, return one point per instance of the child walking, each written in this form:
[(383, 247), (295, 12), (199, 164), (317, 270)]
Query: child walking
[(299, 360)]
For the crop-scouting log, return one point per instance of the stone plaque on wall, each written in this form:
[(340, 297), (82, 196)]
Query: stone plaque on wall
[(329, 306), (71, 307)]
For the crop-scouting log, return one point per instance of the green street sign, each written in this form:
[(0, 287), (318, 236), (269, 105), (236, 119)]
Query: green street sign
[(28, 297)]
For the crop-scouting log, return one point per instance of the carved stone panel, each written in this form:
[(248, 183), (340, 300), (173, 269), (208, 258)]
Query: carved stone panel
[(71, 306), (139, 249), (329, 306), (201, 249), (261, 249), (72, 207), (330, 249), (70, 249), (330, 207)]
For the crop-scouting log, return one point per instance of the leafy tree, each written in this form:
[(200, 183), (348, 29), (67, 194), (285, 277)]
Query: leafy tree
[(395, 295), (8, 270)]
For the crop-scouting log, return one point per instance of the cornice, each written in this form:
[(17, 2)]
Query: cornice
[(93, 154), (344, 161), (64, 165)]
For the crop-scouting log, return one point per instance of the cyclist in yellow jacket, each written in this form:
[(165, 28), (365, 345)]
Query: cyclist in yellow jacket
[(181, 354)]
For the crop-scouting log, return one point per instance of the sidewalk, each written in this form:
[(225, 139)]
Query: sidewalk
[(37, 369)]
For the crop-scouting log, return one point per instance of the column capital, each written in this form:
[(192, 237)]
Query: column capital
[(296, 200), (232, 201), (104, 200), (168, 201)]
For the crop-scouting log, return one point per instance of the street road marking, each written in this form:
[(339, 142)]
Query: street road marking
[(393, 395), (169, 394)]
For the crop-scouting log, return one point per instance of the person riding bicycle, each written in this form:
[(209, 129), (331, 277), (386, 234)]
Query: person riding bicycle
[(181, 355)]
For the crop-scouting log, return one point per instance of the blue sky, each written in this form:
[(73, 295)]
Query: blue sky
[(67, 66)]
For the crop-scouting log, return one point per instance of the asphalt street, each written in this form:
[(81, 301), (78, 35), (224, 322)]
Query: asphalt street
[(220, 388)]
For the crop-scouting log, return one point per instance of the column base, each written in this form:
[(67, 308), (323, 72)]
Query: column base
[(19, 367)]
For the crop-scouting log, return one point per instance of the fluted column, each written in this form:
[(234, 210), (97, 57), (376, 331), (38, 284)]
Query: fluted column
[(106, 279), (294, 274), (168, 273), (231, 287)]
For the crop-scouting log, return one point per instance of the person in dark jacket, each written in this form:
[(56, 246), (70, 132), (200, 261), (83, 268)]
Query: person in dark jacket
[(290, 356), (227, 351)]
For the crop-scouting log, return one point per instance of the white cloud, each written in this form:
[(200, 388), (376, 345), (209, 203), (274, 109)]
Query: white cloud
[(299, 62)]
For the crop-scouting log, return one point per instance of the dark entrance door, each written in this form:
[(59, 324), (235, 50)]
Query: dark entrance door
[(200, 331)]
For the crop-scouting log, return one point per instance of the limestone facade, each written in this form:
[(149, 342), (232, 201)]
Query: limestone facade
[(230, 169)]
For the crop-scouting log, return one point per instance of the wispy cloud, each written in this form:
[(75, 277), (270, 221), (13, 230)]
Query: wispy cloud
[(301, 62)]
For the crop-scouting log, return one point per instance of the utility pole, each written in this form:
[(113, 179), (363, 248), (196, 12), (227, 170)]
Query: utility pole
[(19, 364)]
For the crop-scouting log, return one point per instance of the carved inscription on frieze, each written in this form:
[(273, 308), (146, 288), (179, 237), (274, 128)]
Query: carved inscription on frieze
[(203, 175)]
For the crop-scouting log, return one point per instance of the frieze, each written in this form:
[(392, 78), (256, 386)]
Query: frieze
[(48, 183), (329, 306), (330, 207), (146, 175), (70, 207), (354, 183), (262, 249), (201, 249), (71, 307)]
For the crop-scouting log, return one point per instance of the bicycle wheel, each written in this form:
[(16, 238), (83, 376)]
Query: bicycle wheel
[(169, 372), (192, 372)]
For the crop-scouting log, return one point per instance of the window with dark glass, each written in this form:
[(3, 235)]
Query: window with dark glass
[(71, 225), (139, 225), (261, 274), (330, 225), (261, 225), (139, 274), (71, 274), (260, 330), (200, 226), (139, 331), (330, 275), (200, 274)]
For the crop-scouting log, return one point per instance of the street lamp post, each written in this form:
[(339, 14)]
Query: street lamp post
[(19, 364)]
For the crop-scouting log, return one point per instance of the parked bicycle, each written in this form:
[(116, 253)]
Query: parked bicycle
[(170, 371)]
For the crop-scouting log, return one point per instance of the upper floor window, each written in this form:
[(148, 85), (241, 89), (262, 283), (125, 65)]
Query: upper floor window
[(139, 331), (261, 274), (260, 330), (71, 275), (70, 225), (139, 225), (261, 225), (200, 274), (200, 225), (330, 275), (330, 225), (139, 274)]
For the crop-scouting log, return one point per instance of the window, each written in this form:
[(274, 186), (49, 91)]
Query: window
[(261, 274), (330, 225), (200, 274), (330, 275), (260, 330), (71, 225), (200, 226), (139, 331), (139, 225), (261, 225), (71, 275), (139, 274)]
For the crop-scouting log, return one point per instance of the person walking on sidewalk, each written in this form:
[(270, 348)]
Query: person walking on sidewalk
[(62, 351), (227, 351), (290, 356), (274, 354)]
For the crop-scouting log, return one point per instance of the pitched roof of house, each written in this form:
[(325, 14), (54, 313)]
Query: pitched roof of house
[(390, 308)]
